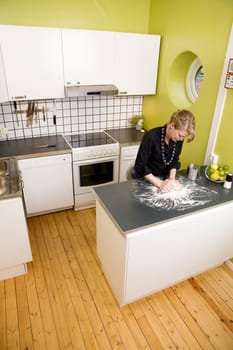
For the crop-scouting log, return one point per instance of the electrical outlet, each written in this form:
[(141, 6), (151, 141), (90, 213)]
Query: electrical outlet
[(3, 131)]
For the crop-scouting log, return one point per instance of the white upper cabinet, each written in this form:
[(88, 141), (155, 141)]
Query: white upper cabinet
[(128, 60), (3, 85), (136, 65), (37, 62), (32, 58), (88, 57)]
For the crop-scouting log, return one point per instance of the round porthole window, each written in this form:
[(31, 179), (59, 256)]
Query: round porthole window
[(194, 79), (185, 79)]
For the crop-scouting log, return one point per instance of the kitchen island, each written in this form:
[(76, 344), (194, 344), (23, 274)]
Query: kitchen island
[(148, 241)]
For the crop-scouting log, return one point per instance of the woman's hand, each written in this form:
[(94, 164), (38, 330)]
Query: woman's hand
[(169, 185)]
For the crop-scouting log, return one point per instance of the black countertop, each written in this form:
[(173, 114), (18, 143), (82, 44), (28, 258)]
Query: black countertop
[(56, 144), (34, 147), (126, 136), (136, 204)]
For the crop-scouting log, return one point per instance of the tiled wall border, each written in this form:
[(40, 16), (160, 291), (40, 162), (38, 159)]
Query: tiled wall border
[(73, 115)]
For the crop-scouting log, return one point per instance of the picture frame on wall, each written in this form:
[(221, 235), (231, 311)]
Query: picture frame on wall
[(229, 75), (230, 66), (229, 81)]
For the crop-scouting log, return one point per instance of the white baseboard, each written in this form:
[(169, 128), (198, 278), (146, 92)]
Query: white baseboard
[(229, 263)]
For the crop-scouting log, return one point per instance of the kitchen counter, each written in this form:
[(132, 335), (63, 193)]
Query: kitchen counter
[(147, 242), (34, 147), (126, 136), (125, 204)]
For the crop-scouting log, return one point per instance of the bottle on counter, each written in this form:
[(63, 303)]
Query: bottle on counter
[(228, 182), (214, 161), (139, 125)]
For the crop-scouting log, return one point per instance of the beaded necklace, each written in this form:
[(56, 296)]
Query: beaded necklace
[(166, 162)]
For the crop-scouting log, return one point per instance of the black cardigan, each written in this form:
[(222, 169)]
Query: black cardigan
[(149, 157)]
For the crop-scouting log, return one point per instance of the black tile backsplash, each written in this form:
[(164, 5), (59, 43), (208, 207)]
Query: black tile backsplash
[(70, 115)]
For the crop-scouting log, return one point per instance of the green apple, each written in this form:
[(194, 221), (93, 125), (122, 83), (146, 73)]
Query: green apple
[(226, 167)]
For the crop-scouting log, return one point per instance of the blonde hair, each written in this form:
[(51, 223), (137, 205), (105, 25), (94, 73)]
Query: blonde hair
[(184, 119)]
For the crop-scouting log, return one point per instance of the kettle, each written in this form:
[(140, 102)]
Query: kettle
[(193, 171)]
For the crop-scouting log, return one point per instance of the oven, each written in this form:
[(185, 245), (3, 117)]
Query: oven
[(95, 162)]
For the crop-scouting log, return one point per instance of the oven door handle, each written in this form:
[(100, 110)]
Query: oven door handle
[(114, 158)]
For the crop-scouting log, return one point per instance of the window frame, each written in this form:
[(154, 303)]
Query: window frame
[(191, 89)]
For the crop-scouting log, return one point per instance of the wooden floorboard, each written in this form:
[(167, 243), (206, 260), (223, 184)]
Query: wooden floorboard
[(65, 302)]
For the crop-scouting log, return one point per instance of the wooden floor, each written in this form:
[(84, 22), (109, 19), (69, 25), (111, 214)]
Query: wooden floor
[(64, 302)]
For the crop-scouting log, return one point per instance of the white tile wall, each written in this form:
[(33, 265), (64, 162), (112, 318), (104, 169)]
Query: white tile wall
[(73, 115)]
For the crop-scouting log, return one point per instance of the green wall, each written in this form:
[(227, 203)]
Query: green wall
[(199, 26), (120, 15), (202, 27)]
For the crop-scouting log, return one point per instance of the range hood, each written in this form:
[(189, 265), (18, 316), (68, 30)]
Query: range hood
[(90, 90)]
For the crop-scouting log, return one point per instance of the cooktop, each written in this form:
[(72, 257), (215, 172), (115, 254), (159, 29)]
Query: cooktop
[(89, 139)]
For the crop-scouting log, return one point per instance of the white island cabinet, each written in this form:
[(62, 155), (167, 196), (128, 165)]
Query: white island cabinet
[(32, 58), (15, 250), (145, 249)]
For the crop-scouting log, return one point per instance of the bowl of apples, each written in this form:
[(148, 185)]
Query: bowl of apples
[(217, 173)]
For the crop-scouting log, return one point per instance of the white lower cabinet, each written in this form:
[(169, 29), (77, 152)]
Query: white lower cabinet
[(47, 183), (128, 156), (15, 250)]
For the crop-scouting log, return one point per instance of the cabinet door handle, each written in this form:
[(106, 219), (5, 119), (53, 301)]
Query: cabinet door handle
[(72, 83), (19, 97), (123, 92)]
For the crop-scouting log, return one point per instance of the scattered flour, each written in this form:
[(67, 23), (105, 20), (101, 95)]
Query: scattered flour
[(189, 195)]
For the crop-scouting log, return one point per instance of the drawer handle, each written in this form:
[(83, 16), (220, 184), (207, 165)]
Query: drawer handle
[(18, 97)]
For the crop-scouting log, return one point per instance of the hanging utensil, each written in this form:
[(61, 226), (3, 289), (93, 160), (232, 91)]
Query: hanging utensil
[(46, 113), (43, 111), (32, 112), (29, 113), (36, 113), (16, 114), (54, 113)]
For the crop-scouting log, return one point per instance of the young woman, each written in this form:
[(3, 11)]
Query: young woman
[(158, 155)]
